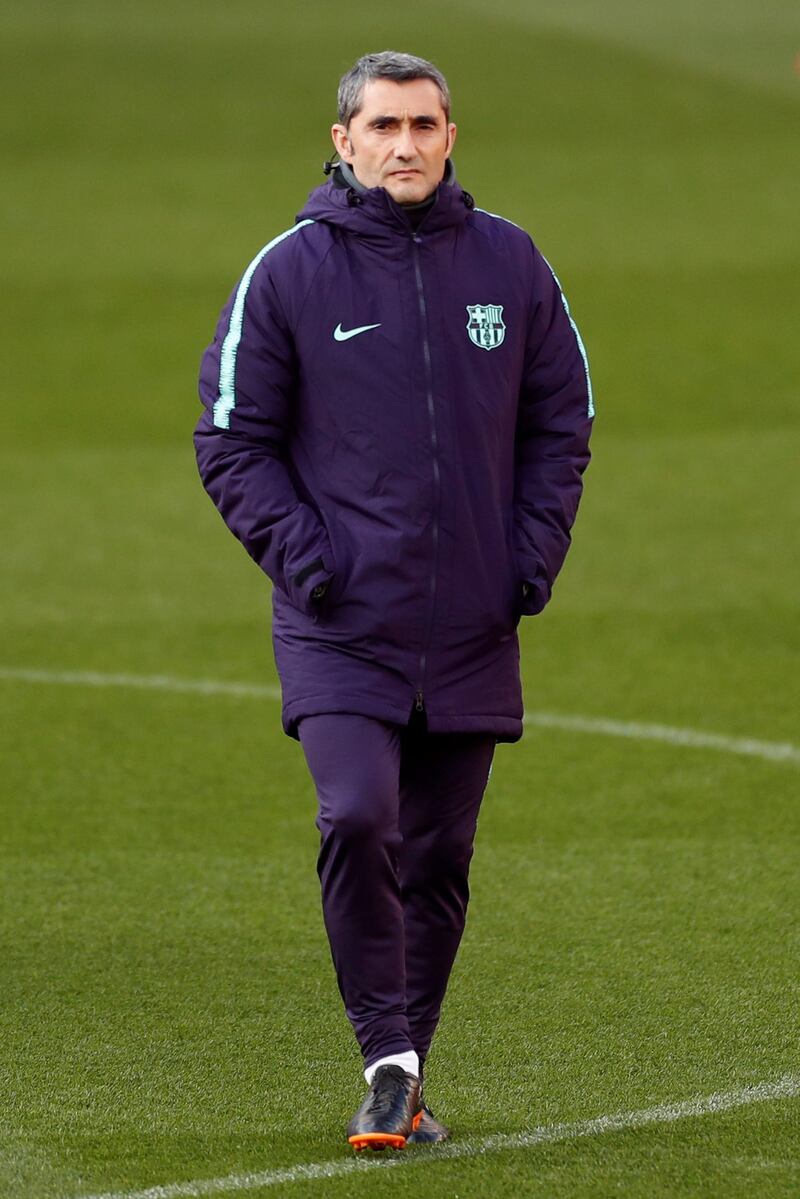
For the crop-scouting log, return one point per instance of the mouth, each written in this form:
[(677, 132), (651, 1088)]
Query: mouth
[(406, 171)]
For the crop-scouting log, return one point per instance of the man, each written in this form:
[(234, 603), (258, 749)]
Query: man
[(397, 415)]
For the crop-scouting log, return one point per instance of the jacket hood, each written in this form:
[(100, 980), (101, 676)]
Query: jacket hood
[(372, 213)]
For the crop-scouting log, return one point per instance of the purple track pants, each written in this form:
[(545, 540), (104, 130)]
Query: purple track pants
[(398, 807)]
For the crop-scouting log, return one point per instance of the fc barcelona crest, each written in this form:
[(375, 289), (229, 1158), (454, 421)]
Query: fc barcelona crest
[(485, 325)]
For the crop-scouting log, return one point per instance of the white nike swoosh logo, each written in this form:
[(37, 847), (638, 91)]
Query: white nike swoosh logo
[(340, 334)]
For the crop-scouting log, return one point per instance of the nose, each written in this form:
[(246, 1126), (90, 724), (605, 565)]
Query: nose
[(405, 147)]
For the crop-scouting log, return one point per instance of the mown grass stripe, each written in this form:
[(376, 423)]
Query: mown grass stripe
[(718, 1102), (771, 751)]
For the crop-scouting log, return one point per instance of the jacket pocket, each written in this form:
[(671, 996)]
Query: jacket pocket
[(337, 586)]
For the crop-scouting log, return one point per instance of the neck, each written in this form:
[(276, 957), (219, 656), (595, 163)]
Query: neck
[(416, 213)]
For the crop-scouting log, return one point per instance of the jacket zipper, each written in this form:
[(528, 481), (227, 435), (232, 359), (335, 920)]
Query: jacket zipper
[(419, 699)]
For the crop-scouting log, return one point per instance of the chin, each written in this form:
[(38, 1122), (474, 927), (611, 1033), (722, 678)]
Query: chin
[(409, 193)]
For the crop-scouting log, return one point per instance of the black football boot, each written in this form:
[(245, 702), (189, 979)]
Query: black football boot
[(386, 1117), (426, 1129)]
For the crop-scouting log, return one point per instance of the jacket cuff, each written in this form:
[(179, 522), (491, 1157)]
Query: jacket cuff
[(301, 587), (535, 592)]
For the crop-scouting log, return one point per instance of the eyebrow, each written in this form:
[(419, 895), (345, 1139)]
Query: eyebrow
[(390, 119)]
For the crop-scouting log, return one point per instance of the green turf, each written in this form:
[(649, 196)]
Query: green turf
[(168, 1010)]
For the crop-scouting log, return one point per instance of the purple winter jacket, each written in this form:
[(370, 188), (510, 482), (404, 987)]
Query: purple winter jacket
[(404, 416)]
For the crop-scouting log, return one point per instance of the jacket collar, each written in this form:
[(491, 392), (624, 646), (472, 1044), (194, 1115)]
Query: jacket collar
[(372, 213)]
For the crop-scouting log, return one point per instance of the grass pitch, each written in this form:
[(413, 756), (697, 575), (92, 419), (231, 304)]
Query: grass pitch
[(169, 1011)]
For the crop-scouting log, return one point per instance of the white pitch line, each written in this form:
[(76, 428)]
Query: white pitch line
[(667, 1113), (771, 751), (144, 682)]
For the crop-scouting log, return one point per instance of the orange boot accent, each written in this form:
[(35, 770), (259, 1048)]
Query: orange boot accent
[(376, 1140)]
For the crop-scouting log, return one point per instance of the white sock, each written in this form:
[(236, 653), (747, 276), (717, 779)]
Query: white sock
[(409, 1061)]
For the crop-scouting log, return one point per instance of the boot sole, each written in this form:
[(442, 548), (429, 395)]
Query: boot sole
[(376, 1140)]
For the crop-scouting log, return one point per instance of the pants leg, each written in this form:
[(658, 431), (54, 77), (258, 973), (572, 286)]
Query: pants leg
[(397, 814), (442, 781), (355, 764)]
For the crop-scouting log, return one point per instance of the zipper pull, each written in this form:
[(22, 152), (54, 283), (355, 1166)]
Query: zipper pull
[(419, 705)]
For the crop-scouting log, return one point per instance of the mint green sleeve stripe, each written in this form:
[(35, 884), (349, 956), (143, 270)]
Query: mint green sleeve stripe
[(579, 339), (226, 402), (575, 330)]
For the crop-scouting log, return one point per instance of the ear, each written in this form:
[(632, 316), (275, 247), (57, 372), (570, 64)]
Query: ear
[(342, 142), (451, 138)]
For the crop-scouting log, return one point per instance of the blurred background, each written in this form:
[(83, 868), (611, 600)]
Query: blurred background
[(149, 151)]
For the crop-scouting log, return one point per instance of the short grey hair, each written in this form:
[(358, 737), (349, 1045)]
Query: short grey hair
[(387, 64)]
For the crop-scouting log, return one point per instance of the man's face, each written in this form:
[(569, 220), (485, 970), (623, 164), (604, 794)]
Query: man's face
[(399, 140)]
